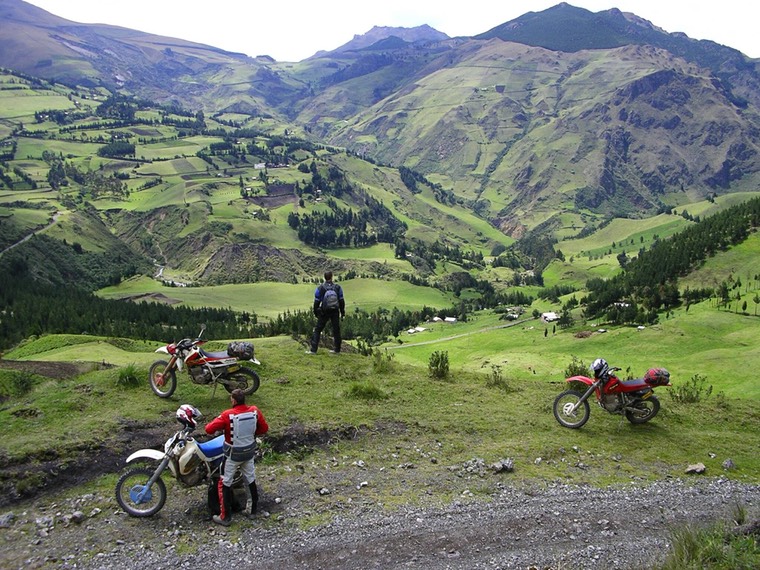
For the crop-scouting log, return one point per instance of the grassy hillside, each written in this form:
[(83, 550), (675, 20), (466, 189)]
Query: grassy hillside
[(386, 403)]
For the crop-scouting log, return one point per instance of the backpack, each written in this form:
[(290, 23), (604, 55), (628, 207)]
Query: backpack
[(243, 432), (330, 301)]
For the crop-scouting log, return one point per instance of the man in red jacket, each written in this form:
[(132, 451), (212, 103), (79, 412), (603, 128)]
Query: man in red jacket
[(241, 424)]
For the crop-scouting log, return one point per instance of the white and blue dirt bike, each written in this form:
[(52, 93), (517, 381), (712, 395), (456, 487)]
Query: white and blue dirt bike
[(140, 490)]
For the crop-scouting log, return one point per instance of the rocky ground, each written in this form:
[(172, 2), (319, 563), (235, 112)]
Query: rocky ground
[(516, 526)]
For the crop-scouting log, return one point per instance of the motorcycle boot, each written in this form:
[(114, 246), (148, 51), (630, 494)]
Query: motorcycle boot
[(254, 500), (224, 517)]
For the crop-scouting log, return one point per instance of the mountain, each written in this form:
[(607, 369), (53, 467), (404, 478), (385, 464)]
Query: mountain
[(158, 68), (556, 113), (415, 35)]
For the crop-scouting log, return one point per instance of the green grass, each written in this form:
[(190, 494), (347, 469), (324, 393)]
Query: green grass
[(701, 341), (713, 547), (464, 416), (268, 299)]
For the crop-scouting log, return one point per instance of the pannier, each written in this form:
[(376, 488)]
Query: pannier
[(657, 377), (241, 350)]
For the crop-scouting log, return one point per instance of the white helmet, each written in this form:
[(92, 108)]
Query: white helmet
[(187, 415), (599, 367)]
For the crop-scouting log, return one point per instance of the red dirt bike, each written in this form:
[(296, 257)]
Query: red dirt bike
[(633, 398), (204, 367)]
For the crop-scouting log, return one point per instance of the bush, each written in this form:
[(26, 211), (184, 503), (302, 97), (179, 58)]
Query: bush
[(438, 365), (496, 380), (576, 368), (14, 383), (128, 377), (382, 361), (691, 392), (363, 347)]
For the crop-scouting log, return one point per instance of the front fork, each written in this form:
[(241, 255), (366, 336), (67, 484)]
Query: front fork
[(170, 366), (145, 491), (586, 396)]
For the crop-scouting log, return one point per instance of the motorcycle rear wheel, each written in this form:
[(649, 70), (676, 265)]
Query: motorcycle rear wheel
[(162, 383), (645, 410), (245, 379), (563, 405), (133, 482)]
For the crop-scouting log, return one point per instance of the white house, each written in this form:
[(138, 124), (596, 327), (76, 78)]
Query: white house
[(549, 317)]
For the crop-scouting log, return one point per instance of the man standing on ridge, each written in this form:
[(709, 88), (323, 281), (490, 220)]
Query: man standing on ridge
[(329, 305), (240, 424)]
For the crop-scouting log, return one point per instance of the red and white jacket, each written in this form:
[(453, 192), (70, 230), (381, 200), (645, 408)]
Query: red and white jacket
[(223, 422)]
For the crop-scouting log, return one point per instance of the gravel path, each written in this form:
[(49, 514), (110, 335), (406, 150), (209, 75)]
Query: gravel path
[(548, 527)]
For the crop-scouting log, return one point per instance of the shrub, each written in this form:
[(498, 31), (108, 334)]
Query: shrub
[(382, 361), (576, 368), (14, 383), (438, 365), (692, 391), (128, 377), (496, 380), (363, 347)]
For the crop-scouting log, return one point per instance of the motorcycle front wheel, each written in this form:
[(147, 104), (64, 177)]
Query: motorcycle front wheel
[(131, 495), (563, 409), (162, 383), (245, 379), (643, 411)]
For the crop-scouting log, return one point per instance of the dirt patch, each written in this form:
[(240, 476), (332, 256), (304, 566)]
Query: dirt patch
[(274, 201), (153, 297), (55, 469), (56, 370)]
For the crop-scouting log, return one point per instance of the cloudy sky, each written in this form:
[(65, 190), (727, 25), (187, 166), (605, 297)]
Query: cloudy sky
[(293, 30)]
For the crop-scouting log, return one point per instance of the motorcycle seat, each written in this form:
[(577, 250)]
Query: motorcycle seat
[(212, 447), (635, 384), (216, 355)]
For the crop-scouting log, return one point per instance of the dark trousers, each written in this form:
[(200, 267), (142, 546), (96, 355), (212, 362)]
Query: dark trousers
[(322, 318)]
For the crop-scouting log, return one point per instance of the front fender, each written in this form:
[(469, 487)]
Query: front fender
[(152, 454), (163, 349), (146, 454), (584, 379)]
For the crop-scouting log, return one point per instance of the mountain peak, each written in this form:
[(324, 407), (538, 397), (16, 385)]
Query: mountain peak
[(423, 33)]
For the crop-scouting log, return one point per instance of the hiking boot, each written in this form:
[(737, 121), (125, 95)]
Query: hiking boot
[(219, 520), (311, 352)]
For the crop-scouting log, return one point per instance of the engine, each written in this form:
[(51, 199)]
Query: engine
[(611, 402), (200, 375), (192, 470)]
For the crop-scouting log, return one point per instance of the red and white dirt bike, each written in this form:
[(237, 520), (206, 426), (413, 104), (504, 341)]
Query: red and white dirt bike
[(204, 367), (633, 398)]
